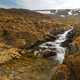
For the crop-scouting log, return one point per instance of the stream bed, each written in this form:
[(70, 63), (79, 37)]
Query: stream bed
[(55, 49)]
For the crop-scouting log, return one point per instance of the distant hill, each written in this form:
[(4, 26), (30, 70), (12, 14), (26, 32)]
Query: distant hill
[(61, 12)]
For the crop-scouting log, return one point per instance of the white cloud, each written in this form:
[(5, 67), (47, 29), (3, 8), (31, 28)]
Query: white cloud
[(48, 4)]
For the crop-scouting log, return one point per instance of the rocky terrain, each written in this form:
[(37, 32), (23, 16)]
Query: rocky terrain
[(21, 31)]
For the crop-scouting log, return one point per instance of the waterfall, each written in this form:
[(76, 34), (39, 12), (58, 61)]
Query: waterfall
[(60, 51)]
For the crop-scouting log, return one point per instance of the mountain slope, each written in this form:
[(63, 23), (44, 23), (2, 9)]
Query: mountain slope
[(24, 26)]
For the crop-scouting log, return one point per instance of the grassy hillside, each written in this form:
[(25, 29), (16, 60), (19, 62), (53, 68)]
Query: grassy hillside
[(19, 30), (24, 27)]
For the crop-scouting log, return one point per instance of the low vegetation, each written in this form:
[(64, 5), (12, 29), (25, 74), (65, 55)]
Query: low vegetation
[(20, 32)]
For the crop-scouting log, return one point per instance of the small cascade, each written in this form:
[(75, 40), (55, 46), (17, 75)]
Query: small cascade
[(60, 51)]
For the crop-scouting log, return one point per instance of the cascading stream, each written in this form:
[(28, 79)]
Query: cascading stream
[(60, 51)]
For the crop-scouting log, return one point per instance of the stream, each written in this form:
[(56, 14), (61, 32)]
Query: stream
[(60, 50)]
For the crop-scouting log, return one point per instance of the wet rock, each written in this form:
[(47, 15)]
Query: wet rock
[(69, 39), (47, 54)]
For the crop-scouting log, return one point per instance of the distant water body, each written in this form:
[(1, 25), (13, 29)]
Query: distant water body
[(60, 51)]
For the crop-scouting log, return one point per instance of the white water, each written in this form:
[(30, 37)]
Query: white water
[(57, 45)]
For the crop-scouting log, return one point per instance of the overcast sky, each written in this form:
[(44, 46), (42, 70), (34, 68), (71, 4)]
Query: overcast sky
[(40, 4)]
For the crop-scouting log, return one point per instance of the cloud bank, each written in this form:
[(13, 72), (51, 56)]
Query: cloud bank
[(40, 4), (48, 4)]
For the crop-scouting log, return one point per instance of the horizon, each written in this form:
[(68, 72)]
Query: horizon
[(41, 9)]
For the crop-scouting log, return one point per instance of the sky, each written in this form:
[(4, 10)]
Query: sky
[(40, 4)]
